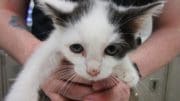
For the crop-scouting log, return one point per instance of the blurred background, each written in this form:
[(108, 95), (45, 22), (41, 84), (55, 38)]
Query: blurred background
[(163, 85)]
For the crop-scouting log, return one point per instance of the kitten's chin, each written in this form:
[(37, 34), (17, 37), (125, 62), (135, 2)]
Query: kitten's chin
[(96, 78)]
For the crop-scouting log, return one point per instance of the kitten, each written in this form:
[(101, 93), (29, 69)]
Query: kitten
[(93, 37)]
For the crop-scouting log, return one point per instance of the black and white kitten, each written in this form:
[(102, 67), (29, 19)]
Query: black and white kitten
[(94, 36)]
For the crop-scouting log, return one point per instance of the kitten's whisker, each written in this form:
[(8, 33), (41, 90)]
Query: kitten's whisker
[(68, 83), (108, 83), (63, 70), (64, 85), (68, 86), (65, 75), (69, 77), (119, 76), (114, 80)]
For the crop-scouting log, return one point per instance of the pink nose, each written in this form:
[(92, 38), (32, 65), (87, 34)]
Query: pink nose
[(93, 72)]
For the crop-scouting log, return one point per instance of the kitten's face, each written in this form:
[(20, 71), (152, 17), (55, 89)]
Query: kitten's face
[(96, 34), (93, 51)]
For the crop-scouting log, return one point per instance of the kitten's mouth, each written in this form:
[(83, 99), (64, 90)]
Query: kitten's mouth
[(68, 71)]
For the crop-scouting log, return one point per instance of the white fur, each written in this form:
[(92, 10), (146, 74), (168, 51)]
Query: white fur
[(94, 39), (119, 8), (36, 70), (94, 33), (61, 5), (155, 11), (126, 72)]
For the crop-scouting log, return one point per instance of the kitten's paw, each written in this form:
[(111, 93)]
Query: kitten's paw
[(131, 79), (128, 74)]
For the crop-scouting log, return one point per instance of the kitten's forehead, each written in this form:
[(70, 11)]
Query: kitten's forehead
[(69, 12), (95, 24), (98, 20), (94, 28)]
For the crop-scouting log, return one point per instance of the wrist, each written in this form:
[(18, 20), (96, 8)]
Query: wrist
[(137, 63), (15, 40), (29, 48), (137, 69)]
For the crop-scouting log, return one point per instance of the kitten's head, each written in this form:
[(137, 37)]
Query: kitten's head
[(96, 35)]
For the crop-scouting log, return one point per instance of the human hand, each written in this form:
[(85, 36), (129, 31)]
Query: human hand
[(120, 92), (54, 88), (76, 89)]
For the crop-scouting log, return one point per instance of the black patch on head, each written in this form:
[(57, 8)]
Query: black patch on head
[(130, 21), (133, 2), (64, 19), (138, 41), (42, 24), (128, 44), (124, 47), (126, 22)]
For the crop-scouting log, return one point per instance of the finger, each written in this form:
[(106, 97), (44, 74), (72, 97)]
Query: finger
[(118, 93), (71, 90), (52, 85), (77, 91)]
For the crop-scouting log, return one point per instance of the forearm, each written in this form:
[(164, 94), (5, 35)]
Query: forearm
[(162, 47), (164, 44), (17, 41)]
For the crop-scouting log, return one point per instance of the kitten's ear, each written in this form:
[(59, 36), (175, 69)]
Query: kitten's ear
[(135, 16), (54, 7), (152, 9)]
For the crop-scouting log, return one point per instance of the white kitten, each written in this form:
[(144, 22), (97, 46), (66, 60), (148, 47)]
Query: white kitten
[(93, 36)]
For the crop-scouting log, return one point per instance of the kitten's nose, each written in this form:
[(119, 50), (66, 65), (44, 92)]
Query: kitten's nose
[(93, 72)]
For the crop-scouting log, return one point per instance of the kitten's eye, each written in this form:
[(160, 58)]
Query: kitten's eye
[(76, 48), (112, 50)]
